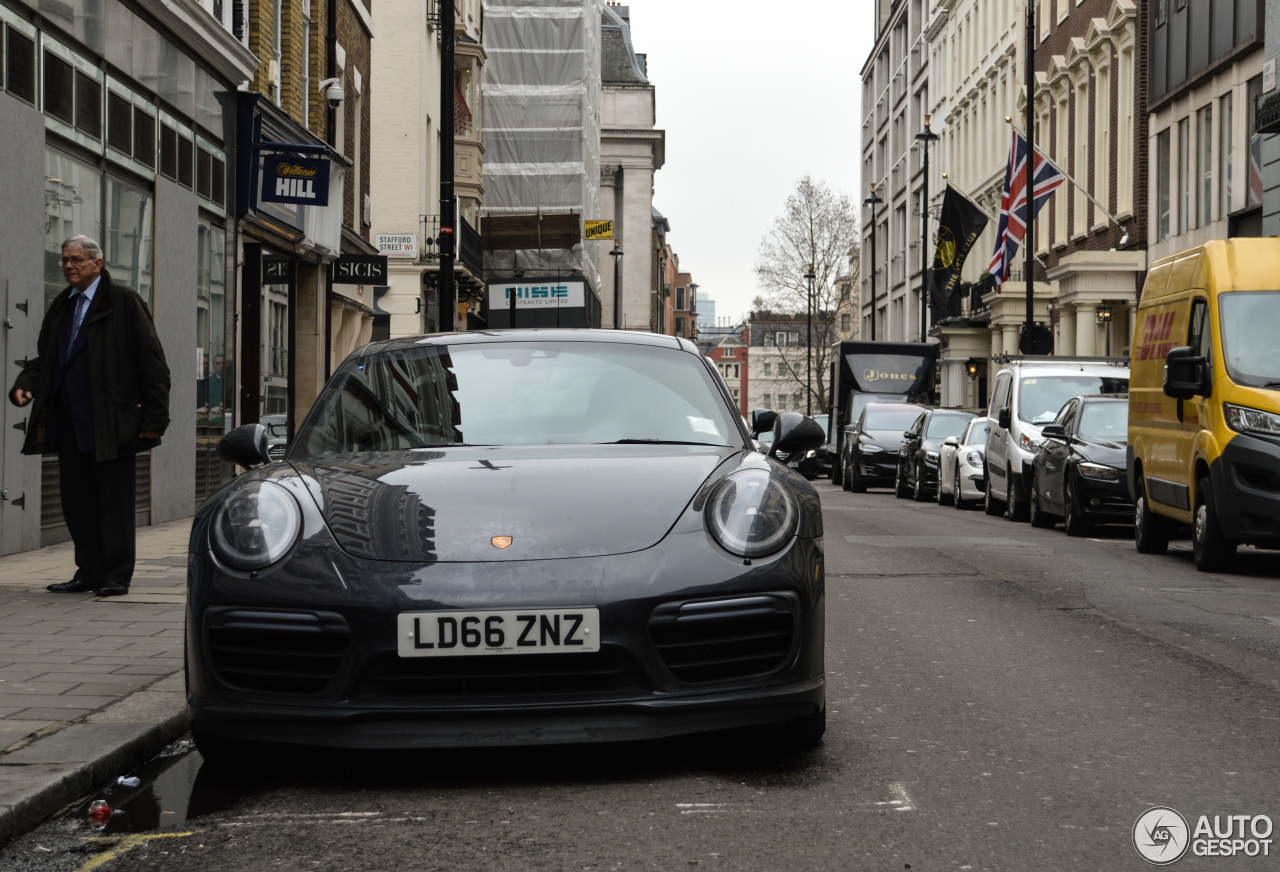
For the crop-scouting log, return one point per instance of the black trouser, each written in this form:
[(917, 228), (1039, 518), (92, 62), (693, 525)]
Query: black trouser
[(98, 504)]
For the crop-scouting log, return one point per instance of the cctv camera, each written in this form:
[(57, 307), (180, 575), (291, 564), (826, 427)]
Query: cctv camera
[(332, 90)]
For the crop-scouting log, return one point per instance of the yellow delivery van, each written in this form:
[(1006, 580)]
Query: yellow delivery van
[(1204, 401)]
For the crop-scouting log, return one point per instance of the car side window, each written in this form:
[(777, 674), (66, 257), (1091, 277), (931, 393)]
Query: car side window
[(1000, 396), (1198, 334), (1067, 416)]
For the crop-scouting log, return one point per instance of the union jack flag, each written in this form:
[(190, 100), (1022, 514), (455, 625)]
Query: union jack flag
[(1013, 204)]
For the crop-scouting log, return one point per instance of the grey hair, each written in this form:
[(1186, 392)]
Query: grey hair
[(91, 248)]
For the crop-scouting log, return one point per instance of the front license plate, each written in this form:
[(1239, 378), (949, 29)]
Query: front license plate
[(523, 631)]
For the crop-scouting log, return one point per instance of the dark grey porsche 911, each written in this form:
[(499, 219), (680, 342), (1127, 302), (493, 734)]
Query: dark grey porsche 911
[(509, 538)]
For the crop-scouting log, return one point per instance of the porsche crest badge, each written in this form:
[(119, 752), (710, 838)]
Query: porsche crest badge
[(500, 541)]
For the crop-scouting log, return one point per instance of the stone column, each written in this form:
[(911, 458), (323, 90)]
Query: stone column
[(1010, 338), (1067, 325), (1086, 328)]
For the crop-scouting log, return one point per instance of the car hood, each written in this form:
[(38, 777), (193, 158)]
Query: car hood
[(450, 504), (1109, 453), (890, 439)]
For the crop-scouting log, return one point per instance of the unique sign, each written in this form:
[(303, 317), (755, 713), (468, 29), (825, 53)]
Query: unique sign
[(275, 270), (889, 373), (289, 179), (397, 245), (360, 269), (1269, 76), (598, 230), (545, 294)]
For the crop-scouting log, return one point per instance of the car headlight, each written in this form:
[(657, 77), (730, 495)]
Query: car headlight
[(870, 448), (255, 525), (751, 513), (976, 458), (1028, 443), (1099, 472), (931, 456), (1242, 419), (813, 453)]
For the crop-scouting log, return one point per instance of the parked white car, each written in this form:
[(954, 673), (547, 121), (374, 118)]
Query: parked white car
[(962, 466)]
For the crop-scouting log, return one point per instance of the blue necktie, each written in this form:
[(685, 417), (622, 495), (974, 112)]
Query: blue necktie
[(81, 299)]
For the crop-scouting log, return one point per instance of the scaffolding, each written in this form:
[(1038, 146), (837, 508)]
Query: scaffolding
[(541, 126)]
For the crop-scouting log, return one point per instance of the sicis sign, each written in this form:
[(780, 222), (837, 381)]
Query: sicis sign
[(360, 269)]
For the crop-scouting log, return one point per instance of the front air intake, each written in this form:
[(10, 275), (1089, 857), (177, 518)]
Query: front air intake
[(706, 641)]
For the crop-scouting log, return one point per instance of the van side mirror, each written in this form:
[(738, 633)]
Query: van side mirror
[(1185, 374), (1054, 431), (1004, 419), (762, 420)]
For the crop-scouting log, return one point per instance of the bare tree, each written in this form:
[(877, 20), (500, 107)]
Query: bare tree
[(817, 230)]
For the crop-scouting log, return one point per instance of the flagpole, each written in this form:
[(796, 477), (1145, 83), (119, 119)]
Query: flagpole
[(1072, 179), (1030, 241)]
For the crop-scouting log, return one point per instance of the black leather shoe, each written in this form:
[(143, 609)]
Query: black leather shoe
[(75, 585), (112, 588)]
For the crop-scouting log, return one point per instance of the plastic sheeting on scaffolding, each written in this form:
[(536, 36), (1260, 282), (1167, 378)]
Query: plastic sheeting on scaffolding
[(541, 126)]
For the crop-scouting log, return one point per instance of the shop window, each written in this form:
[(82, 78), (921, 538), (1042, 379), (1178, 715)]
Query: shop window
[(88, 106), (119, 123), (186, 156), (144, 137), (129, 237), (59, 85), (20, 66), (73, 205), (168, 151)]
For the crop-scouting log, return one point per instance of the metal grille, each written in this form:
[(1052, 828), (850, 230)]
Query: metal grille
[(705, 641), (393, 677), (275, 651)]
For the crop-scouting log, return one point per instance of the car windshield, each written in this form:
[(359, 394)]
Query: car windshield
[(1249, 346), (1043, 396), (942, 426), (518, 393), (891, 419), (977, 435), (1104, 422)]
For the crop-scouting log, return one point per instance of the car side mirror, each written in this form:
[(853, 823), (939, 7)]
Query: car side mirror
[(245, 446), (952, 440), (762, 420), (795, 433), (910, 434), (1054, 431), (1185, 374), (1005, 420)]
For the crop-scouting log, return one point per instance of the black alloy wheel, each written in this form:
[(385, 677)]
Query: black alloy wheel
[(1035, 513), (1017, 509), (845, 484), (855, 477), (1150, 531), (918, 491), (1073, 519), (900, 489), (1209, 547)]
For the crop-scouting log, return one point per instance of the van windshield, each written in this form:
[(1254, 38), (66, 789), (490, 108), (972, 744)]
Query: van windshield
[(1042, 396), (1249, 348)]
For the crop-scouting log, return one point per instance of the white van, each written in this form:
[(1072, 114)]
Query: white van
[(1028, 393)]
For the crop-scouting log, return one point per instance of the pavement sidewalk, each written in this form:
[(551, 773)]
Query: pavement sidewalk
[(90, 687)]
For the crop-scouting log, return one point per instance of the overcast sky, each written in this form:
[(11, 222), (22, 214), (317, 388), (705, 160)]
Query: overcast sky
[(753, 96)]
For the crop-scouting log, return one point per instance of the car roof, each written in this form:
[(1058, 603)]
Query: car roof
[(959, 413), (869, 406), (615, 337)]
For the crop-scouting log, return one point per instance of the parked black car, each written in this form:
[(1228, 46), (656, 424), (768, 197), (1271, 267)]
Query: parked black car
[(918, 457), (509, 538), (1079, 471), (871, 445)]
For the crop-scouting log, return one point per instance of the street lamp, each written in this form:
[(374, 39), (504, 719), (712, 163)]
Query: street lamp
[(925, 138), (1104, 318), (971, 367), (808, 349), (616, 254), (873, 201)]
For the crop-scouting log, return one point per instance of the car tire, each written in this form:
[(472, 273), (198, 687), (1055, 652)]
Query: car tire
[(803, 733), (1017, 510), (1209, 547), (990, 504), (1073, 519), (899, 486), (958, 499), (845, 484), (1150, 531), (855, 480), (918, 493), (944, 499), (1038, 516)]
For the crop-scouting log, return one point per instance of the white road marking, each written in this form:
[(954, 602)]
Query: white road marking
[(901, 801)]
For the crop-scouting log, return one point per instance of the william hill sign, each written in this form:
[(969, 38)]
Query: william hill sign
[(289, 179)]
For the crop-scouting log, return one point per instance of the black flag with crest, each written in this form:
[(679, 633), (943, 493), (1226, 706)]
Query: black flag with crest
[(962, 224)]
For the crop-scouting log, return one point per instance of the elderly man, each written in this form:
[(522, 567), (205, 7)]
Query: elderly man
[(99, 393)]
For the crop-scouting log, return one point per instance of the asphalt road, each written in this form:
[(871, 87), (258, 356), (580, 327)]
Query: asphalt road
[(999, 698)]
